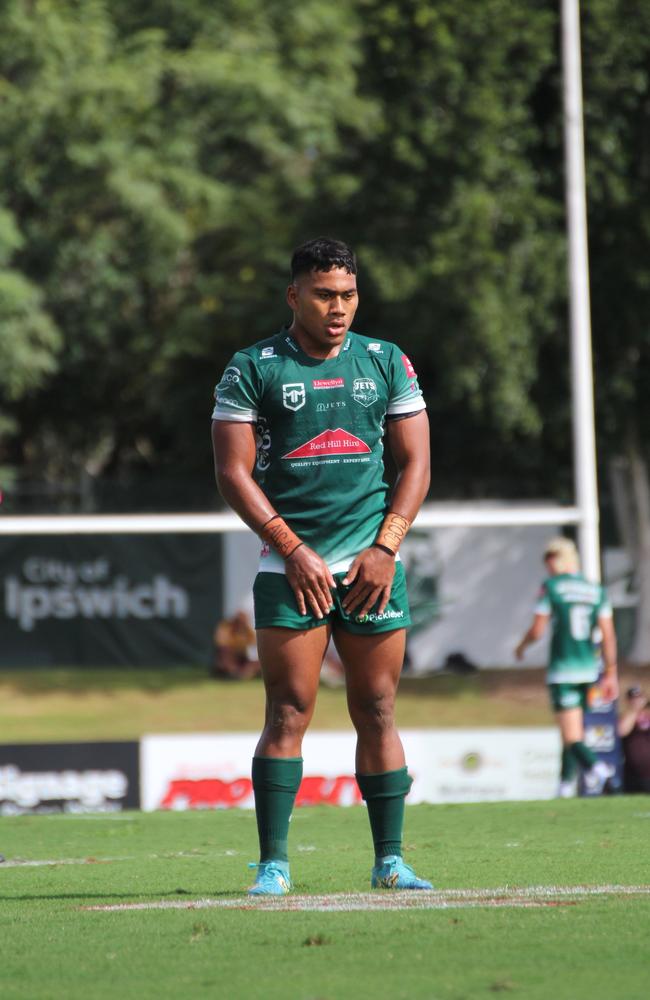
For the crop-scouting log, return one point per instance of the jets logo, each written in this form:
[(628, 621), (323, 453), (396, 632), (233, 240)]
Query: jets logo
[(293, 395), (364, 391)]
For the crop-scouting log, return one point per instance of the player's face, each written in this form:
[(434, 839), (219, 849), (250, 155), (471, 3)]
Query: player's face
[(323, 305)]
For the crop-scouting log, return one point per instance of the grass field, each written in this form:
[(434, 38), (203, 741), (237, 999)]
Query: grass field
[(535, 944), (510, 914), (59, 704)]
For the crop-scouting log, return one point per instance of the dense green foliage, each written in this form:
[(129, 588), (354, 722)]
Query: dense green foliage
[(158, 163), (570, 950)]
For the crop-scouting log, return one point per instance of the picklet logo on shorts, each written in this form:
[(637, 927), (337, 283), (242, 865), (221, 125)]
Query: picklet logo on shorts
[(293, 395), (338, 442), (385, 616)]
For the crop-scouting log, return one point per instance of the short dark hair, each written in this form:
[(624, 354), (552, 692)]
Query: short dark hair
[(322, 254)]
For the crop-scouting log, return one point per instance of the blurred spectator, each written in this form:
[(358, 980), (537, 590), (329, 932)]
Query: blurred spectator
[(235, 649), (634, 730)]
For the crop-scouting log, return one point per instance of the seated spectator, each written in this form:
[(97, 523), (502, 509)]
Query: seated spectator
[(634, 730), (235, 649)]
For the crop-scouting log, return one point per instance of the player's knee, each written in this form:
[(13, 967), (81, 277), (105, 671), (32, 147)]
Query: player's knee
[(375, 712), (289, 718)]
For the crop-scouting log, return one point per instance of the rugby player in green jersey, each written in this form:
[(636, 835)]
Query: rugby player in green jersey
[(298, 431), (575, 607)]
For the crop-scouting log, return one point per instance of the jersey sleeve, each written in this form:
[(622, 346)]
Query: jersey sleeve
[(405, 395), (543, 603), (237, 395)]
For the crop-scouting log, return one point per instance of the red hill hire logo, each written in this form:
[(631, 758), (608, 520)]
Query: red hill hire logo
[(338, 442)]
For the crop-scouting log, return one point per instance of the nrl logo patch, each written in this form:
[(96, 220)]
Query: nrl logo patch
[(293, 395), (364, 391)]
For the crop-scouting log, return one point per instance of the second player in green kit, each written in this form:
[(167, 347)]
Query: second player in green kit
[(576, 608), (299, 428)]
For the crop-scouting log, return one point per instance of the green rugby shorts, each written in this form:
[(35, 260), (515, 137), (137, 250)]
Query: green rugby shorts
[(565, 696), (275, 606)]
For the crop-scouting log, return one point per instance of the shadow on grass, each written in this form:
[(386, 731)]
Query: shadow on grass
[(42, 680), (141, 897), (45, 680), (483, 682)]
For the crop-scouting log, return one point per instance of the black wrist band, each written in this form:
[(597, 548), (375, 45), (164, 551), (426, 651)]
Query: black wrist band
[(293, 550), (274, 518), (384, 548)]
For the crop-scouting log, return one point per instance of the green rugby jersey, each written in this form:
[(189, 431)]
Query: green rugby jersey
[(319, 427), (575, 605)]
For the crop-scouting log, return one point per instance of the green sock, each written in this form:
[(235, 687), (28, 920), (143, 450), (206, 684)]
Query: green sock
[(585, 757), (569, 764), (276, 781), (384, 795)]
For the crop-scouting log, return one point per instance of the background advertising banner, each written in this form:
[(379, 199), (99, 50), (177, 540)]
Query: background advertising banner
[(109, 599), (489, 765), (601, 736), (68, 778)]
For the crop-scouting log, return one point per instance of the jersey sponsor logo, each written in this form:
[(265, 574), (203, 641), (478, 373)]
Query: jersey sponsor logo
[(328, 383), (410, 370), (337, 404), (364, 391), (229, 378), (291, 343), (377, 348), (267, 352), (330, 442), (293, 395), (232, 403)]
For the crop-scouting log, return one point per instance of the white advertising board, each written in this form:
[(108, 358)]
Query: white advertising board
[(474, 765)]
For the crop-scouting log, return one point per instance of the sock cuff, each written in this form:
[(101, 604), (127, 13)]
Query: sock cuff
[(277, 774), (280, 760), (386, 785)]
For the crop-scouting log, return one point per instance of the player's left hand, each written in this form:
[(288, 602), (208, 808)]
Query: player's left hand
[(609, 687), (370, 579)]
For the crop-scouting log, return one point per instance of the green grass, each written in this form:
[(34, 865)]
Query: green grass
[(115, 704), (592, 949), (75, 704)]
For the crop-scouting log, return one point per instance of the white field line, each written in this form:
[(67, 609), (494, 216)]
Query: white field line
[(26, 863), (40, 863), (421, 900)]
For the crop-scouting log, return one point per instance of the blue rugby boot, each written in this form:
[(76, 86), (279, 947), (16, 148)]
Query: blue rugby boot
[(392, 872), (272, 879)]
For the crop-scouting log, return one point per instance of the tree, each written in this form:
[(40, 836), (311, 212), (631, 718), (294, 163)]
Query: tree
[(155, 180), (457, 225), (616, 59), (28, 338)]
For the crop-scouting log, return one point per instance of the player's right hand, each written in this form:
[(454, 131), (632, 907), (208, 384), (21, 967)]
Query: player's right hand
[(311, 581)]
